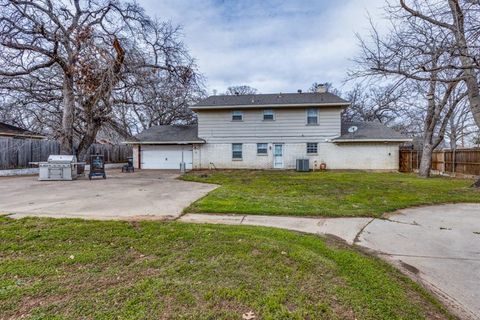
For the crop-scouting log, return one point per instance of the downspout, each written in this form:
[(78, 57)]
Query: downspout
[(139, 156)]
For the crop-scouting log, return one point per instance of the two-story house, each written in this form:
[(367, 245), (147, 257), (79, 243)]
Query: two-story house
[(269, 131)]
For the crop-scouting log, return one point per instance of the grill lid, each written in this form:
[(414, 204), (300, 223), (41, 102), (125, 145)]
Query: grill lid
[(58, 158)]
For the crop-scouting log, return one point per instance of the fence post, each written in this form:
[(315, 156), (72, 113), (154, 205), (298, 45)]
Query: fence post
[(411, 161), (454, 160), (443, 161)]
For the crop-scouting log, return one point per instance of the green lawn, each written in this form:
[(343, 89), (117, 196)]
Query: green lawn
[(334, 194), (72, 269)]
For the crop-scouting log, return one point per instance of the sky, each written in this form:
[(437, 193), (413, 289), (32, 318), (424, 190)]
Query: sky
[(271, 45)]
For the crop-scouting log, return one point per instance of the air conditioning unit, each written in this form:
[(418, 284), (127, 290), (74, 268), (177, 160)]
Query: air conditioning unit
[(303, 165)]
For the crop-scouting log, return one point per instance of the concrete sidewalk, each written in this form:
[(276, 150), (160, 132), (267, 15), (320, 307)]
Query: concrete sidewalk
[(344, 228), (438, 246)]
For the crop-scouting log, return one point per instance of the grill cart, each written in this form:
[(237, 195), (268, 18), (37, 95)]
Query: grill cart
[(97, 167), (58, 167)]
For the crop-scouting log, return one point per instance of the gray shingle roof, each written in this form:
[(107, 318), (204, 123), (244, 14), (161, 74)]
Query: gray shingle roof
[(178, 134), (9, 130), (169, 134), (276, 99), (369, 131)]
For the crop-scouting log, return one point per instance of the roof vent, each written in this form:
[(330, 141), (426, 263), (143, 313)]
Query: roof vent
[(352, 129), (299, 90), (237, 93)]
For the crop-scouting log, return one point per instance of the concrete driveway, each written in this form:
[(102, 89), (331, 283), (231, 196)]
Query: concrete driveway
[(147, 194), (438, 246)]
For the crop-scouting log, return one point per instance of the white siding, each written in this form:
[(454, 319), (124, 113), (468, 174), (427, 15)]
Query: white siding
[(136, 164), (289, 126), (364, 156)]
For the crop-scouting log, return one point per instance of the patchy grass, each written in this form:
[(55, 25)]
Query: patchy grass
[(335, 194), (72, 269)]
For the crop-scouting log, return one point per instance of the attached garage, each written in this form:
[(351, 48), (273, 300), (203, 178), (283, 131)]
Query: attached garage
[(166, 156), (165, 147)]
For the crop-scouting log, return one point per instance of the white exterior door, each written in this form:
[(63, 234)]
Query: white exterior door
[(166, 156), (278, 156)]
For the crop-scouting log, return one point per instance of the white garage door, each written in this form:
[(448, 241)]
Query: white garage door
[(166, 156)]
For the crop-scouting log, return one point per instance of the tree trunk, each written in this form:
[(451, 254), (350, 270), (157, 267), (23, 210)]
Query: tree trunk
[(87, 140), (466, 59), (473, 93), (470, 73), (453, 133), (426, 161), (68, 117)]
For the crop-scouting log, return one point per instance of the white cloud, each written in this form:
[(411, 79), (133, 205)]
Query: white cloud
[(274, 45)]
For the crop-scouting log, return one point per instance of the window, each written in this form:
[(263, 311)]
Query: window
[(268, 115), (236, 151), (262, 148), (312, 116), (312, 148), (237, 116)]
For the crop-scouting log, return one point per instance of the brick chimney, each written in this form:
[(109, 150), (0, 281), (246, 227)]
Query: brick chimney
[(321, 88)]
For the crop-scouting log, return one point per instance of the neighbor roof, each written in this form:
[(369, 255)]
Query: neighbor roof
[(13, 131), (168, 134), (369, 132), (274, 100)]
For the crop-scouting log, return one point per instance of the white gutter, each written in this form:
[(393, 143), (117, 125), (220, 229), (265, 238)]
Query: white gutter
[(371, 140), (25, 135), (163, 142), (257, 106)]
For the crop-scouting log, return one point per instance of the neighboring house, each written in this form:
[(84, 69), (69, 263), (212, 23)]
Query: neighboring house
[(9, 131), (269, 131)]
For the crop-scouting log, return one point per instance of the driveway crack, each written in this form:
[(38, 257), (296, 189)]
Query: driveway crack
[(414, 223), (357, 237), (243, 218)]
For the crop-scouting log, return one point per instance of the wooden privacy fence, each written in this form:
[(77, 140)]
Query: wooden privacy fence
[(461, 161), (409, 160), (111, 153), (17, 153)]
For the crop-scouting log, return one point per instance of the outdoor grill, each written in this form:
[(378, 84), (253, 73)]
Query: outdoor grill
[(58, 167)]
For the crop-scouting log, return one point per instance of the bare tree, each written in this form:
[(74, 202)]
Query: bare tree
[(67, 62), (384, 104), (240, 90), (417, 53), (164, 101), (461, 127), (458, 23), (442, 101)]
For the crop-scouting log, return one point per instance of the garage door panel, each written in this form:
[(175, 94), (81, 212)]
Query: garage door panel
[(166, 157)]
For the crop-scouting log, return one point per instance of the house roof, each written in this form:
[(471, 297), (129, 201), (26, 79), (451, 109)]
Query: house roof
[(276, 100), (168, 134), (369, 132), (13, 131), (187, 134)]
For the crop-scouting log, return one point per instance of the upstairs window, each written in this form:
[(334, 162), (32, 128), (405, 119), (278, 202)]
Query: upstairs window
[(312, 116), (237, 115), (262, 148), (237, 151), (268, 115), (312, 148)]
